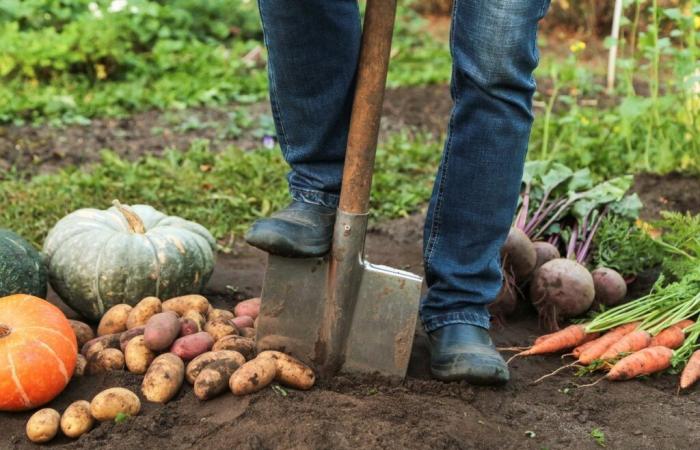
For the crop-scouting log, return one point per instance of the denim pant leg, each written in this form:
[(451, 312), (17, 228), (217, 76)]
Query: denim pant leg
[(313, 47), (494, 50)]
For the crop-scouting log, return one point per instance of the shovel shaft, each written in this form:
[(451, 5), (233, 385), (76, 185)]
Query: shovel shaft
[(367, 105)]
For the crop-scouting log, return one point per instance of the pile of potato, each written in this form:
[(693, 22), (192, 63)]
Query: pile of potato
[(179, 339)]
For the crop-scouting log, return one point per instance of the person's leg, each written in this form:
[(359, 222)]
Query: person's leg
[(313, 47), (494, 51)]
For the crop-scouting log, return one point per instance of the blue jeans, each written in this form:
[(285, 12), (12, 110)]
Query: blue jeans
[(313, 48)]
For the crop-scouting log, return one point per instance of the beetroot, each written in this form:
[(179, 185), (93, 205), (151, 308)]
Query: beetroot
[(505, 303), (561, 288), (610, 287), (518, 254), (545, 252)]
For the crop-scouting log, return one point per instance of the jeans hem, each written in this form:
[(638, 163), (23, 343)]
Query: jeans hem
[(315, 197), (470, 318)]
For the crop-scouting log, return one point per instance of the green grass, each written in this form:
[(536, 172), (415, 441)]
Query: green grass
[(223, 191)]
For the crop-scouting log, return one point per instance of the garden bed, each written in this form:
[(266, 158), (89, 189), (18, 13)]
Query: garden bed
[(350, 412)]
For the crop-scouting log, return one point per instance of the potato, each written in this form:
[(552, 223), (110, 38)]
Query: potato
[(182, 304), (107, 360), (189, 347), (128, 335), (200, 362), (114, 320), (220, 328), (138, 357), (76, 419), (196, 317), (290, 371), (144, 310), (250, 333), (253, 376), (243, 322), (94, 346), (163, 378), (188, 326), (83, 332), (43, 425), (250, 307), (161, 330), (213, 379), (245, 346), (80, 365), (110, 402), (220, 314)]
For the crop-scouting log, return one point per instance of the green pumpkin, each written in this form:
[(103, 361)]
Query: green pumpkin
[(22, 268), (98, 259)]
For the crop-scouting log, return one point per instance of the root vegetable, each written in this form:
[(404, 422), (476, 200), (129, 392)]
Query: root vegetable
[(250, 307), (114, 320), (220, 328), (565, 339), (672, 337), (189, 347), (161, 330), (290, 371), (138, 357), (253, 376), (518, 255), (129, 335), (248, 333), (631, 342), (109, 403), (545, 252), (108, 360), (561, 288), (94, 346), (76, 419), (600, 345), (691, 372), (80, 365), (214, 378), (144, 310), (188, 326), (505, 303), (43, 425), (241, 344), (644, 362), (196, 317), (243, 322), (220, 314), (83, 332), (185, 303), (163, 378), (683, 324), (610, 287), (200, 362)]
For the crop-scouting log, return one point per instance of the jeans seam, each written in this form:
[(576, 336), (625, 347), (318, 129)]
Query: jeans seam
[(276, 111), (435, 225)]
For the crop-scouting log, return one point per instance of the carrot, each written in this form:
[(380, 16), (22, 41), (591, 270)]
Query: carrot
[(691, 372), (672, 337), (576, 353), (683, 324), (544, 337), (593, 352), (631, 342), (569, 337), (644, 362)]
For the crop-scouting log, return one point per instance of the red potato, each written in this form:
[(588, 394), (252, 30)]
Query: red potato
[(188, 326), (189, 347), (250, 307), (243, 322), (161, 330)]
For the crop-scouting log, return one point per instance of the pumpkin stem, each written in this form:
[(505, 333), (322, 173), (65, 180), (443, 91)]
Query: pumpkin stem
[(135, 223), (4, 330)]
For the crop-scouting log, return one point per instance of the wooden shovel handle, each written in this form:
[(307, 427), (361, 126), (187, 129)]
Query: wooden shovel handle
[(367, 105)]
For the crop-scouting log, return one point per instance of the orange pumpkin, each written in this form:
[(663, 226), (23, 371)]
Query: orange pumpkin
[(38, 350)]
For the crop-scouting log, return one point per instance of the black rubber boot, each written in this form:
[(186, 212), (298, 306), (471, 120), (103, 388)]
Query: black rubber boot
[(466, 352), (300, 230)]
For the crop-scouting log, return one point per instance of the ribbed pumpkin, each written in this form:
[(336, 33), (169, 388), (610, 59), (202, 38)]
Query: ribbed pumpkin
[(38, 350), (22, 268), (98, 259)]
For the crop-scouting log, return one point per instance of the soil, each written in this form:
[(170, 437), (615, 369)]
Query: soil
[(366, 412)]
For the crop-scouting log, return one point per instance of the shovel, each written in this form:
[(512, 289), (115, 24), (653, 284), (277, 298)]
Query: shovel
[(340, 313)]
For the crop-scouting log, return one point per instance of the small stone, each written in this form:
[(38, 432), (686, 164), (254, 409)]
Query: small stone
[(637, 432)]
